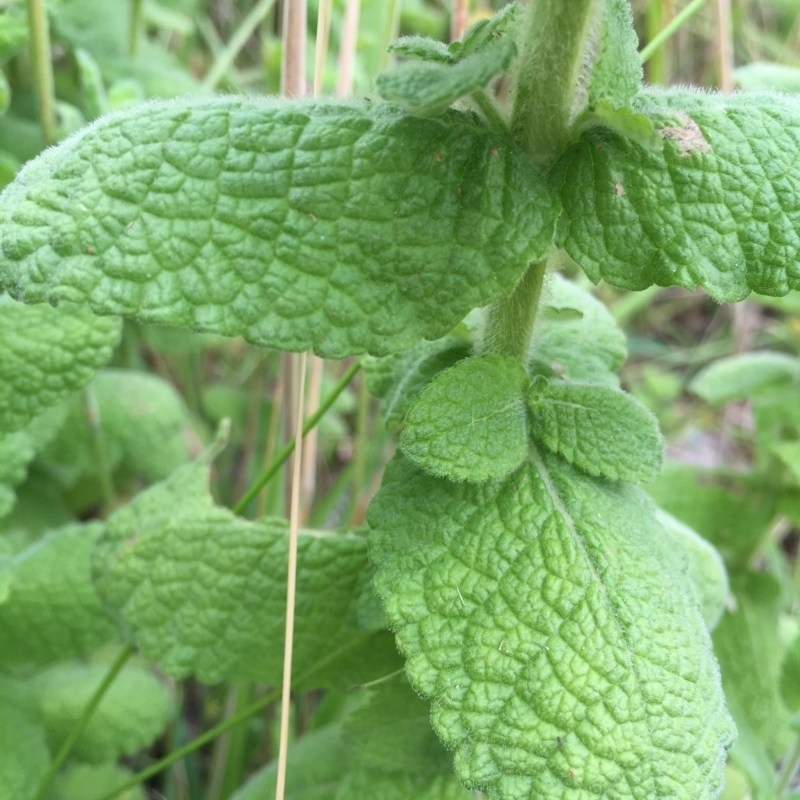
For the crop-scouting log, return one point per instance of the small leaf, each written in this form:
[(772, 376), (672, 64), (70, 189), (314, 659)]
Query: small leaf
[(742, 376), (603, 431), (47, 354), (616, 75), (53, 612), (132, 713), (398, 378), (718, 208), (549, 619), (428, 86), (589, 348), (706, 567), (332, 225), (469, 422), (203, 592), (422, 48)]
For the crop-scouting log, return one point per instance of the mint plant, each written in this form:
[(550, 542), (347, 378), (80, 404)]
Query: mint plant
[(554, 618)]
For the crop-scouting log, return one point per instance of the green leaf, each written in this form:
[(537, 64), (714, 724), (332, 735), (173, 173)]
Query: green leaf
[(790, 676), (53, 612), (744, 375), (548, 618), (616, 75), (18, 449), (748, 646), (587, 347), (469, 423), (316, 765), (47, 354), (777, 417), (430, 85), (295, 225), (132, 713), (203, 592), (24, 756), (84, 781), (143, 424), (370, 785), (760, 76), (706, 567), (398, 378), (717, 208), (603, 431), (392, 732)]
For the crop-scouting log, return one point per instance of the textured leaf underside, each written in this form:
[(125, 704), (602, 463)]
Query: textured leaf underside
[(718, 207), (346, 227), (203, 592), (551, 623), (46, 355)]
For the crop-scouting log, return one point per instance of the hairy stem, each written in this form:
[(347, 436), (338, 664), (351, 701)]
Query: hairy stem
[(548, 93), (509, 324), (557, 47)]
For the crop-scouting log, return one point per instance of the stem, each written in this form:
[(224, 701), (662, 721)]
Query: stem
[(670, 29), (40, 48), (555, 49), (288, 448), (509, 324), (293, 71), (83, 721)]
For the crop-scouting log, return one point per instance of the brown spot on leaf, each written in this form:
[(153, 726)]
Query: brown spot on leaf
[(687, 135)]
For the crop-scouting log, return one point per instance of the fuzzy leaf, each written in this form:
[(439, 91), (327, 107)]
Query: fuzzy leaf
[(429, 87), (706, 567), (587, 346), (337, 226), (47, 354), (203, 592), (549, 619), (133, 712), (717, 208), (398, 378), (469, 423), (742, 376), (53, 612), (603, 431), (617, 71), (747, 644)]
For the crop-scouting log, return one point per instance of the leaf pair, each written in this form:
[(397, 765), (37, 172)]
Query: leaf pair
[(474, 422)]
